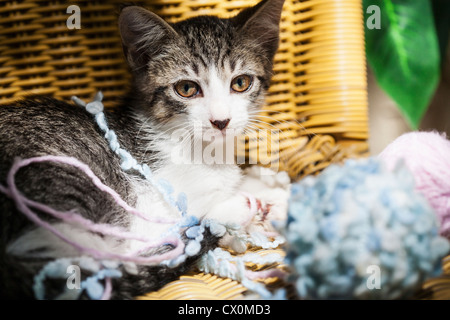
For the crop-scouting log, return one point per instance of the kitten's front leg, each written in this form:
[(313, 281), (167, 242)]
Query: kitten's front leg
[(233, 211)]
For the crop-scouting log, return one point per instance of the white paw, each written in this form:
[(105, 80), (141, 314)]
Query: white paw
[(234, 210), (276, 202), (262, 199)]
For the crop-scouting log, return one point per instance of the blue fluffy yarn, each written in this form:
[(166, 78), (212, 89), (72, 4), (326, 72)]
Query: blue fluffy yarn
[(360, 231), (58, 269), (194, 228)]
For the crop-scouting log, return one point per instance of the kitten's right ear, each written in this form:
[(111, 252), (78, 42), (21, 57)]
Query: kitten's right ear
[(142, 34)]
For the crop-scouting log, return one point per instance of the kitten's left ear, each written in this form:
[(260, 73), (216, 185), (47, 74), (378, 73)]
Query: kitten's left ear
[(262, 22)]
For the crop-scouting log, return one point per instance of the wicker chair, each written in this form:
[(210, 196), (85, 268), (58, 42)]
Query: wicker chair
[(318, 96)]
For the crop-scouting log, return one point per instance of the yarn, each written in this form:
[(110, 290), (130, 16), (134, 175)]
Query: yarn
[(222, 263), (94, 289), (427, 155), (191, 225), (195, 231), (342, 225), (26, 207), (360, 231), (127, 161)]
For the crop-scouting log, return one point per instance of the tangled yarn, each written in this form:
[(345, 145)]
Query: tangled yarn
[(361, 231), (92, 285), (99, 262)]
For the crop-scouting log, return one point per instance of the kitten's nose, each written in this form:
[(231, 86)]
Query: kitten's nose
[(220, 124)]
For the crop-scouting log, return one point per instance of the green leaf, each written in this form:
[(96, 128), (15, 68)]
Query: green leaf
[(404, 53)]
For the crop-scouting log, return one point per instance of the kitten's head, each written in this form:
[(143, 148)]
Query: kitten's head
[(205, 70)]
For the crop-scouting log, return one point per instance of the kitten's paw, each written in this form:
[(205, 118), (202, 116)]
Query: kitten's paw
[(254, 209), (235, 213), (235, 210), (271, 190), (274, 203)]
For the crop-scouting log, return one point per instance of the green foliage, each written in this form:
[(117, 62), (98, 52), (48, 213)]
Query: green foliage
[(404, 53)]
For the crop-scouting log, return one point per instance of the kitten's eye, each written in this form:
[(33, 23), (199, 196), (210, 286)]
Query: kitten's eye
[(187, 89), (241, 83)]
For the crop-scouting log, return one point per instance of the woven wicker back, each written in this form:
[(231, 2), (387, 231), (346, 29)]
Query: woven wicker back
[(317, 99)]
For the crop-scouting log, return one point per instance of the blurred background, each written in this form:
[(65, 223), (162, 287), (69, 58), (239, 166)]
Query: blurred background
[(386, 122)]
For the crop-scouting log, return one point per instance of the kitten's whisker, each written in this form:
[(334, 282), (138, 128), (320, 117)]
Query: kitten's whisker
[(290, 121), (164, 136)]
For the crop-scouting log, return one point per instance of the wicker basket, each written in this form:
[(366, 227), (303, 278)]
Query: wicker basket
[(318, 96)]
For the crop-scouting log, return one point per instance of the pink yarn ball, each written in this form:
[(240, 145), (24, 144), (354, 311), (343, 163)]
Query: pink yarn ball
[(427, 155)]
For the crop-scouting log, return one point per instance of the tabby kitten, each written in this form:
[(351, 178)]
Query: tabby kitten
[(204, 72)]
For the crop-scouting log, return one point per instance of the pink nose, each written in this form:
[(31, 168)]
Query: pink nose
[(220, 124)]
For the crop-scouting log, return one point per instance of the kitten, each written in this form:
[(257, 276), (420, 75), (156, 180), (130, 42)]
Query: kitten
[(204, 73)]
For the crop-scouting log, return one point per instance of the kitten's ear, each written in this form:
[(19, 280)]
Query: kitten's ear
[(262, 22), (142, 33)]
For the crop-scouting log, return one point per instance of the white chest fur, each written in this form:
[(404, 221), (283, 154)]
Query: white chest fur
[(205, 186)]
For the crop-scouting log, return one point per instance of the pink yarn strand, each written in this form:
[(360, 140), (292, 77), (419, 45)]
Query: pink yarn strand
[(100, 228), (23, 205), (108, 289), (266, 274), (86, 170)]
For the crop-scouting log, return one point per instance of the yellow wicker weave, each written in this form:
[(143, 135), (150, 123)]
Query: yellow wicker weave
[(318, 96), (198, 287), (437, 288), (40, 55)]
